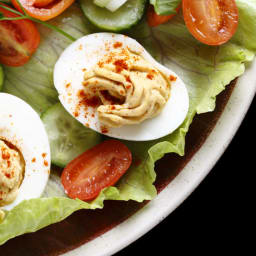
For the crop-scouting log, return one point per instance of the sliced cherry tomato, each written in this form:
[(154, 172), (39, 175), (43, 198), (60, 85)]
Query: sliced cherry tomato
[(18, 39), (212, 22), (154, 19), (43, 9), (42, 3), (95, 169)]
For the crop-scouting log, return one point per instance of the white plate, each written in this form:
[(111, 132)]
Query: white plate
[(187, 180)]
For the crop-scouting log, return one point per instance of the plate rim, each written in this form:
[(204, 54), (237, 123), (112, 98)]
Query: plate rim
[(186, 181)]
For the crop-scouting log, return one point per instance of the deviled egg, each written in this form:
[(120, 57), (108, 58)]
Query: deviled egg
[(112, 85), (24, 152)]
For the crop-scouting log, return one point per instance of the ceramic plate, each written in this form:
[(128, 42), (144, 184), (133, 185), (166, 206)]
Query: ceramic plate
[(105, 232), (185, 182)]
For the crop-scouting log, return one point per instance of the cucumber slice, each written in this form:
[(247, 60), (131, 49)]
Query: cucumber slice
[(101, 3), (68, 138), (125, 17), (113, 5)]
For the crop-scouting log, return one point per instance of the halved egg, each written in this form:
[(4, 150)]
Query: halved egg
[(79, 60), (22, 131)]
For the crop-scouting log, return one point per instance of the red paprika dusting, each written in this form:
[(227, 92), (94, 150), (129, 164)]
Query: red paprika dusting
[(150, 76), (127, 78), (68, 85), (117, 44), (7, 175), (33, 160), (91, 102), (85, 83), (100, 64), (110, 59), (104, 129), (120, 65), (5, 154), (88, 100), (45, 163), (44, 155), (172, 78), (81, 93)]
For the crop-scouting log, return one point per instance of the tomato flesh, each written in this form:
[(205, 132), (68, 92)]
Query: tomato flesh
[(18, 39), (95, 169), (212, 22), (43, 9), (42, 3)]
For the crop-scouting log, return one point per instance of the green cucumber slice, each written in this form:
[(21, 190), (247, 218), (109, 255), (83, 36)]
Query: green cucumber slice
[(124, 18), (101, 3), (68, 138), (114, 5)]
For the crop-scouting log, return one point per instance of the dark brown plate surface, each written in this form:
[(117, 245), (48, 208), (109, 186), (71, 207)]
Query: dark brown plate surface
[(86, 225)]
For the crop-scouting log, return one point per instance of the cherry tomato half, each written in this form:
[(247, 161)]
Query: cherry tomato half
[(212, 22), (18, 39), (97, 168), (43, 9), (42, 3)]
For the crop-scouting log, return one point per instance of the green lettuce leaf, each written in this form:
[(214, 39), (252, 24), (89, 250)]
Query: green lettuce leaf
[(206, 70), (33, 82), (165, 7)]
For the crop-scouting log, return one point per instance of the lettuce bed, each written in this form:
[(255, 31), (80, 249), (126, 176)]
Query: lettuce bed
[(205, 70)]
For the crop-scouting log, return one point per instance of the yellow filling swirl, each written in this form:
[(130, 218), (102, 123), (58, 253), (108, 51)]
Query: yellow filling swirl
[(130, 88)]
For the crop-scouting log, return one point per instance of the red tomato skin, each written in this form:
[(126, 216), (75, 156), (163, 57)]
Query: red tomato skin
[(44, 13), (42, 3), (21, 33), (212, 22), (97, 168), (154, 20)]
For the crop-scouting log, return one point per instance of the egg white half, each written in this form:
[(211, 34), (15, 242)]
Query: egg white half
[(85, 53), (21, 126)]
